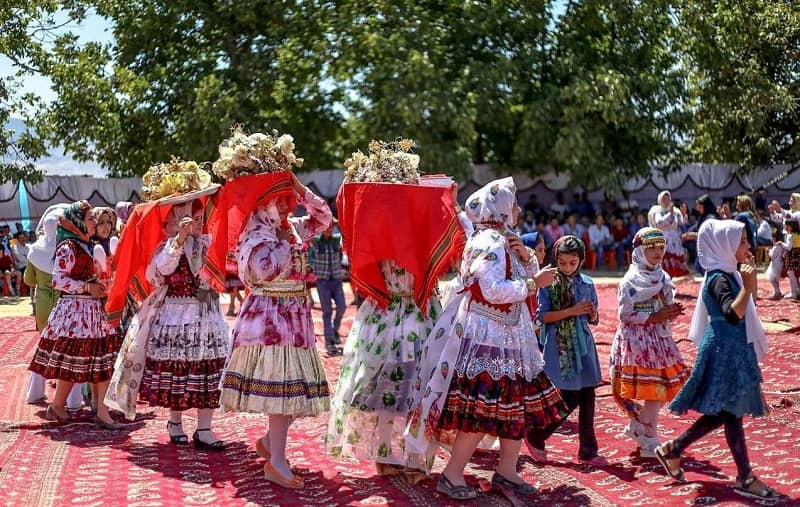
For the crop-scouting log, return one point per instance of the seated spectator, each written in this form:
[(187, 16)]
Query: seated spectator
[(619, 231), (764, 232), (599, 238), (554, 229), (19, 250), (529, 224), (574, 206), (532, 206), (559, 207), (572, 227), (585, 206), (608, 206), (627, 206), (640, 222), (9, 273)]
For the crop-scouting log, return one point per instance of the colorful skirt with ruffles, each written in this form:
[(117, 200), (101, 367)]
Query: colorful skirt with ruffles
[(645, 365), (78, 344), (274, 367), (186, 352)]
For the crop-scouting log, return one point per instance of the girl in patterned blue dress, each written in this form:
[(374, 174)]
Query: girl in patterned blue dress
[(725, 384)]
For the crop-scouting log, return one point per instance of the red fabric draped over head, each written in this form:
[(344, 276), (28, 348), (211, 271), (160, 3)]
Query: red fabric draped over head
[(232, 207), (415, 225), (143, 233)]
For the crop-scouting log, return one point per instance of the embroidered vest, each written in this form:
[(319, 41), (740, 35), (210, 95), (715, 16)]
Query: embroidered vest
[(83, 269), (182, 282)]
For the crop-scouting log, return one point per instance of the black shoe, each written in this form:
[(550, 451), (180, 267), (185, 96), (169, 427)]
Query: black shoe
[(177, 439), (199, 444)]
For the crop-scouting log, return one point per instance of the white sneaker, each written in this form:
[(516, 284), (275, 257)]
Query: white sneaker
[(648, 446), (634, 430)]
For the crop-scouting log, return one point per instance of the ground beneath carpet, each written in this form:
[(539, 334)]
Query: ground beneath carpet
[(44, 464)]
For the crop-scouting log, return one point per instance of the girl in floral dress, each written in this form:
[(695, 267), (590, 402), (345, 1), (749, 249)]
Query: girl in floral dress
[(177, 344), (482, 372), (645, 363), (274, 367), (78, 345), (39, 276), (669, 219), (189, 340)]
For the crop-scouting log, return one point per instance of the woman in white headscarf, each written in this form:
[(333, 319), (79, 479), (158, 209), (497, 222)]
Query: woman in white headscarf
[(486, 375), (665, 216), (725, 383)]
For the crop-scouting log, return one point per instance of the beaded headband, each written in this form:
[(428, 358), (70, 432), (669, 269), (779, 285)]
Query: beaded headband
[(649, 237)]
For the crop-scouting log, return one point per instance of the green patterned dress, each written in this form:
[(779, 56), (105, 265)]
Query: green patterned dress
[(372, 399)]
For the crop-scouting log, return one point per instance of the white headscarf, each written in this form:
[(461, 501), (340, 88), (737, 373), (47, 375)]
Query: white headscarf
[(658, 209), (43, 251), (717, 242), (643, 281), (493, 203)]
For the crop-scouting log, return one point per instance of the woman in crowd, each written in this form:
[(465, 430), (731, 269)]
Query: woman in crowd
[(274, 367), (665, 216), (78, 344)]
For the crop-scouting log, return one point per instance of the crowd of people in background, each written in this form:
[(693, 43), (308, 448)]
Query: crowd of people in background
[(608, 228)]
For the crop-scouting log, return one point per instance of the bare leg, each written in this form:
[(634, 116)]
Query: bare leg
[(204, 416), (102, 409), (278, 434), (507, 465), (60, 398), (463, 447)]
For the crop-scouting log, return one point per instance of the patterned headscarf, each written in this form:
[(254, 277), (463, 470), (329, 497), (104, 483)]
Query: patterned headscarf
[(123, 209), (261, 229), (493, 204), (643, 281), (561, 296), (72, 225)]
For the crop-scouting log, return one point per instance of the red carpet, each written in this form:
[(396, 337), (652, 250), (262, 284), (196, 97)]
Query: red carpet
[(76, 464)]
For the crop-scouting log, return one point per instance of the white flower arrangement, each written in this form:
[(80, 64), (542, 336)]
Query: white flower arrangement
[(243, 155), (386, 163), (175, 177)]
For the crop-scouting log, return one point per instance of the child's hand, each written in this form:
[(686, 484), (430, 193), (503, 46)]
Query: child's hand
[(545, 276), (749, 276), (669, 312), (582, 308)]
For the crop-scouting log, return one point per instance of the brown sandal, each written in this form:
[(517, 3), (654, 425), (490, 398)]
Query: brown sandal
[(754, 488), (671, 465)]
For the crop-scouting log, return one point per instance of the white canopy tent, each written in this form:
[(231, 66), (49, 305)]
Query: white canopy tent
[(25, 202)]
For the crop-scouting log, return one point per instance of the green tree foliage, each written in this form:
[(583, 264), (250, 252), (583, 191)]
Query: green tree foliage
[(611, 91), (182, 72), (25, 26), (599, 90), (743, 58)]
